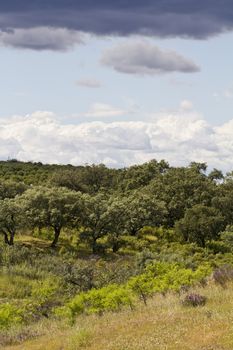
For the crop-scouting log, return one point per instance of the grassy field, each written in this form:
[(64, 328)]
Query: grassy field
[(165, 324)]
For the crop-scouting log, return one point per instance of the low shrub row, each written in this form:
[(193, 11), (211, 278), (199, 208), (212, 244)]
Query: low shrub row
[(157, 278)]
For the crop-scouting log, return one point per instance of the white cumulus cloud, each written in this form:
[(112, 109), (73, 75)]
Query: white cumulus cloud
[(179, 137)]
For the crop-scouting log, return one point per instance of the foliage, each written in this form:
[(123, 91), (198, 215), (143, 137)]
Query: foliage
[(9, 315), (10, 189), (182, 188), (110, 298), (162, 277), (227, 237), (157, 278), (95, 219), (200, 223), (143, 210), (51, 208), (11, 219), (121, 235)]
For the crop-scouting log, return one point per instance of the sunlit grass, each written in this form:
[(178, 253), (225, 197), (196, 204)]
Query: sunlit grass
[(165, 324)]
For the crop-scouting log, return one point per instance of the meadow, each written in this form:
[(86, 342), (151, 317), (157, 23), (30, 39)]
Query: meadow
[(163, 324), (95, 258)]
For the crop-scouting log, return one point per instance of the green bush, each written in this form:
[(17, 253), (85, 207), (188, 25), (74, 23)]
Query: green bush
[(218, 247), (135, 244), (9, 315), (162, 277), (110, 298), (157, 278)]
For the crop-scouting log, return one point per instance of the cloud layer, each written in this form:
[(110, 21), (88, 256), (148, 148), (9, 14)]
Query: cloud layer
[(178, 137), (141, 57), (183, 18), (41, 38)]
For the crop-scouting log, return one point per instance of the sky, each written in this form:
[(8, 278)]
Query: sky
[(117, 82)]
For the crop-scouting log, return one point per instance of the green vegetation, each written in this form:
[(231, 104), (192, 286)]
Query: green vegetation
[(83, 242)]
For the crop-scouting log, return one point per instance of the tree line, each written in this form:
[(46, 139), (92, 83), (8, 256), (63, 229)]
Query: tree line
[(110, 204)]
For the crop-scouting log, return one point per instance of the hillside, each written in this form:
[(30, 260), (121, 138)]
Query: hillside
[(100, 258), (116, 175), (163, 324)]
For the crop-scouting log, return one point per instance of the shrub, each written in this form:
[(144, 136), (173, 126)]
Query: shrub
[(9, 315), (194, 299), (227, 237), (157, 278), (135, 243), (154, 234), (97, 301), (218, 247), (223, 274), (142, 286), (144, 258)]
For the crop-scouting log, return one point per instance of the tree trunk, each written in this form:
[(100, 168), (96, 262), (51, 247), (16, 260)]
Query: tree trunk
[(57, 231), (11, 240), (94, 246), (202, 242), (115, 247)]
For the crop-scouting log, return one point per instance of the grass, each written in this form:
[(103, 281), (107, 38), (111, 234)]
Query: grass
[(165, 324)]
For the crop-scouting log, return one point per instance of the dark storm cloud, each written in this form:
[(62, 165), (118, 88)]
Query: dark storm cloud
[(184, 18)]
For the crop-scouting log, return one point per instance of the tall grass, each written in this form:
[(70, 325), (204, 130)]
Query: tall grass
[(164, 324)]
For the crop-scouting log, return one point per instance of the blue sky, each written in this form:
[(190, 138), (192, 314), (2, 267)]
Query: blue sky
[(46, 80), (55, 71)]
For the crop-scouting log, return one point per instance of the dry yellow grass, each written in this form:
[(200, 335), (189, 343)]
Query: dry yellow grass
[(163, 325)]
